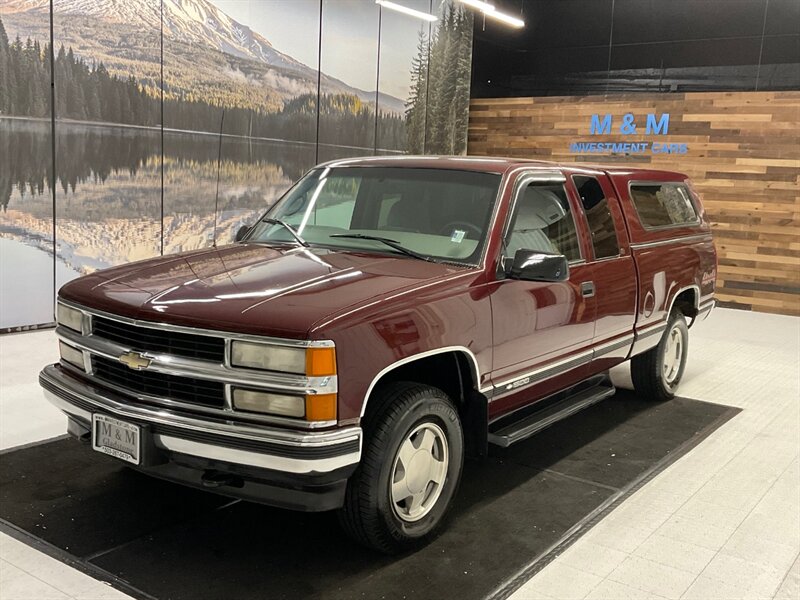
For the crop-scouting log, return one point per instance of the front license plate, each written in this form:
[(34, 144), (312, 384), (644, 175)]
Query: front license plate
[(117, 438)]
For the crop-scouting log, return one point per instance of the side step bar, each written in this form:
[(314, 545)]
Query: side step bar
[(534, 422)]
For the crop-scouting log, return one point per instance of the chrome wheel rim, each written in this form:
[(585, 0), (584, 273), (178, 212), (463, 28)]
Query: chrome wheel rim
[(673, 356), (419, 472)]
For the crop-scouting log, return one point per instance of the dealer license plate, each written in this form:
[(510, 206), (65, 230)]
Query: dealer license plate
[(117, 438)]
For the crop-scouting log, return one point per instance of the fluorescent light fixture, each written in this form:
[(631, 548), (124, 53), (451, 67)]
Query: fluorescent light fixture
[(504, 18), (490, 11), (407, 11), (483, 6)]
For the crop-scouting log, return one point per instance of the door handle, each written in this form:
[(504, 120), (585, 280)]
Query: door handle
[(587, 289)]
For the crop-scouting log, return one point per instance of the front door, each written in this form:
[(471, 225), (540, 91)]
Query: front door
[(542, 330)]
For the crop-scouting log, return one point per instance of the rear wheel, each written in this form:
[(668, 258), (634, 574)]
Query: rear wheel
[(410, 469), (657, 372)]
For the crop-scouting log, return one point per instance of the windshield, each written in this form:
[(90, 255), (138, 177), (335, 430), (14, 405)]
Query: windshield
[(431, 213)]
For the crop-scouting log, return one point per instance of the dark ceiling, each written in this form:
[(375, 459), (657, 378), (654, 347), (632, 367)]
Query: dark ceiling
[(574, 47)]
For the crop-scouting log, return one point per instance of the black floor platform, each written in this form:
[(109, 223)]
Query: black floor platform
[(153, 539)]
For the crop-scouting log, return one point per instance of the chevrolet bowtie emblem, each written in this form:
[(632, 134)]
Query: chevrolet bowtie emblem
[(135, 361)]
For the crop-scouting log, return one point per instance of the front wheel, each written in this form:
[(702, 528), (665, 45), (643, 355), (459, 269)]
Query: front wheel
[(410, 469), (657, 372)]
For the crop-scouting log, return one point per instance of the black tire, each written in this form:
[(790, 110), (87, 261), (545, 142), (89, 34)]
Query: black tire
[(648, 369), (369, 515)]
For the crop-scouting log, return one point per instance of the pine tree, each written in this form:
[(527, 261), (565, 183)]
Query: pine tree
[(5, 72), (417, 101), (463, 77)]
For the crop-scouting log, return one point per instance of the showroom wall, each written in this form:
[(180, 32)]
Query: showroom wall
[(593, 81), (173, 122)]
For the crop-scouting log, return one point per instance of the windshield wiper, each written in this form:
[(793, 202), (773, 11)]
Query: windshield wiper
[(391, 243), (288, 228)]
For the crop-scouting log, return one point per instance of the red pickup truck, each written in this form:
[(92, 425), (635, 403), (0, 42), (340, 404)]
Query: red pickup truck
[(384, 319)]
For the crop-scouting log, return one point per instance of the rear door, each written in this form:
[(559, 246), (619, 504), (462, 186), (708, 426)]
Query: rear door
[(611, 265)]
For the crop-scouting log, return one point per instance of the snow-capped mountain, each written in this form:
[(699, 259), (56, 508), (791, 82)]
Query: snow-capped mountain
[(190, 21), (198, 23)]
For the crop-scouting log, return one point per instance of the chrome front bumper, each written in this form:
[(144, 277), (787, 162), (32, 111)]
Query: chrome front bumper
[(229, 442)]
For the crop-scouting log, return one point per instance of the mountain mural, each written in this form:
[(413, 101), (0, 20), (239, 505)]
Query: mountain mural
[(207, 53), (136, 175)]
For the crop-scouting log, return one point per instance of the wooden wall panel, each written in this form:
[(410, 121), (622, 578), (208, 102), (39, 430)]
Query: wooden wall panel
[(743, 156)]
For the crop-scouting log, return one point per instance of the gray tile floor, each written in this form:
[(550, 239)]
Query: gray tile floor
[(722, 522)]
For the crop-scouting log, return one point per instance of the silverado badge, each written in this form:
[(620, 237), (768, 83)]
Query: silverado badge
[(135, 361)]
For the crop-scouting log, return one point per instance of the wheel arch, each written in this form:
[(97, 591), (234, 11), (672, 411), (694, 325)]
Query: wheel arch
[(687, 299), (454, 370)]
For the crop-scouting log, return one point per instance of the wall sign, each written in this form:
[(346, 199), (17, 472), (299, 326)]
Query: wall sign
[(651, 124)]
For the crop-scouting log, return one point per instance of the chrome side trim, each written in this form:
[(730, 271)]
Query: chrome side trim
[(198, 331), (542, 373), (705, 309), (93, 398), (647, 338), (556, 368), (676, 240), (409, 359), (613, 345), (651, 330)]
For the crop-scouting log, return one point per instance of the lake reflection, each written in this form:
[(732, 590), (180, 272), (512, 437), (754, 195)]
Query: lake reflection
[(109, 194), (26, 283), (108, 189)]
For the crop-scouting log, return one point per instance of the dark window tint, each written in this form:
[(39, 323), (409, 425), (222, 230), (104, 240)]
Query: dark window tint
[(663, 204), (542, 221), (598, 215)]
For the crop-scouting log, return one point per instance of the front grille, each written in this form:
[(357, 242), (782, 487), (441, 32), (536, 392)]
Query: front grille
[(145, 339), (185, 389)]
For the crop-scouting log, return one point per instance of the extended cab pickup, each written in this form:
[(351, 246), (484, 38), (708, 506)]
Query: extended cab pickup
[(384, 319)]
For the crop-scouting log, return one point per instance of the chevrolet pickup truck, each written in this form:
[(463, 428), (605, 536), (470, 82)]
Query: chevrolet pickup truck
[(384, 319)]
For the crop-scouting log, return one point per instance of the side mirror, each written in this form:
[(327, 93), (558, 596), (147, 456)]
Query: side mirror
[(241, 232), (533, 265)]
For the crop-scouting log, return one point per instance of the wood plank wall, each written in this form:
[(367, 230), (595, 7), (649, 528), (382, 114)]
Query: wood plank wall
[(743, 156)]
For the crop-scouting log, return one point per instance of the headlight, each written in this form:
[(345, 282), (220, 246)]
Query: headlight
[(313, 362), (71, 355), (69, 317), (317, 361), (314, 407), (269, 358), (266, 402)]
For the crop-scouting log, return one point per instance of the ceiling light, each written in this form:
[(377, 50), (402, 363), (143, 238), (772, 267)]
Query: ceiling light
[(407, 11), (490, 11), (484, 6), (504, 18)]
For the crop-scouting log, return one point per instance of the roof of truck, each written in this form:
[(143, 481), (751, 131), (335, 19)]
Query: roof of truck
[(489, 164)]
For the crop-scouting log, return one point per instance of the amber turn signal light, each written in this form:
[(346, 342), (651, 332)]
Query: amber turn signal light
[(320, 362), (321, 407)]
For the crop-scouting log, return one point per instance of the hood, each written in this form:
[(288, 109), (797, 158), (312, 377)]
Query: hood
[(251, 288)]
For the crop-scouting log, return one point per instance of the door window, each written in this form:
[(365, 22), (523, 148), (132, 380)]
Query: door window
[(598, 216), (543, 221)]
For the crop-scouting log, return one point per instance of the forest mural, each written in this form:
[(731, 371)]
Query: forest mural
[(178, 119)]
